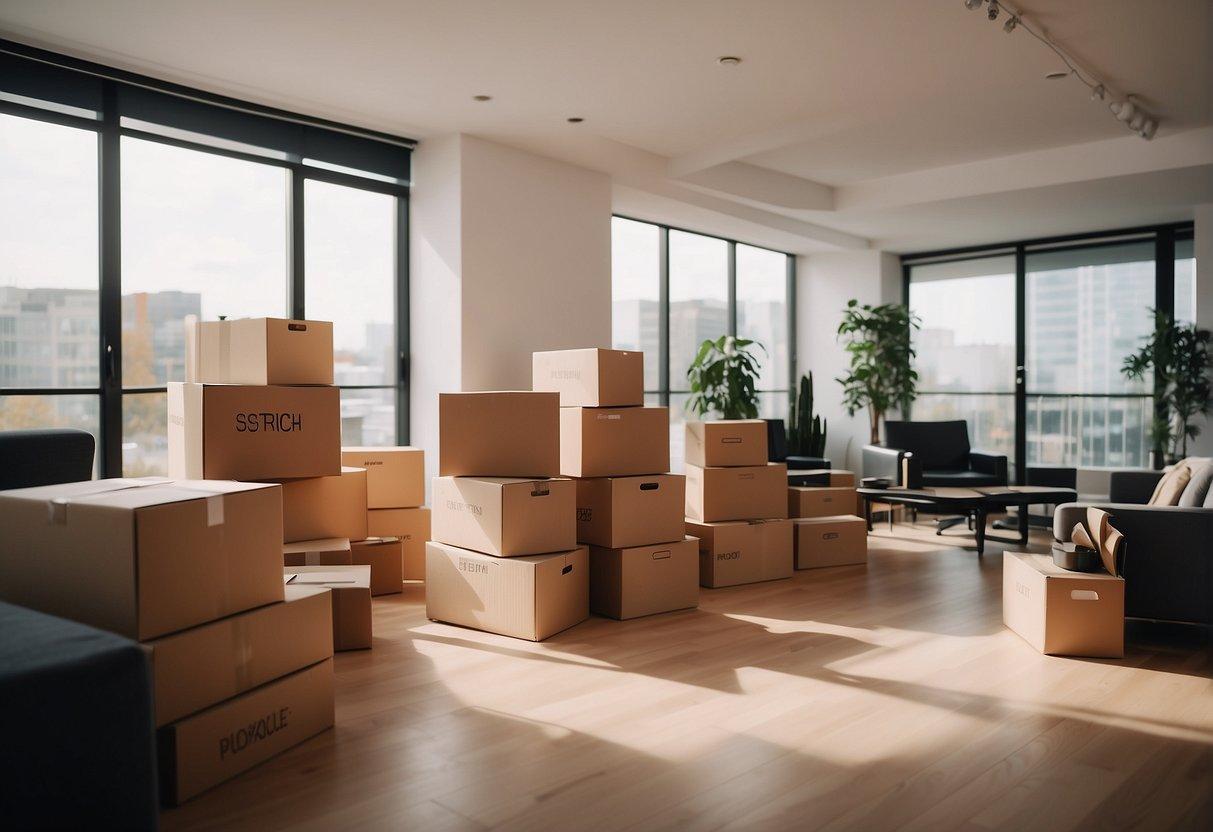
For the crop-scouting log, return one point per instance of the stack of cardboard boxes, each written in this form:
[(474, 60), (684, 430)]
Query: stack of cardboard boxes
[(736, 503), (629, 508), (504, 556), (395, 491), (826, 531)]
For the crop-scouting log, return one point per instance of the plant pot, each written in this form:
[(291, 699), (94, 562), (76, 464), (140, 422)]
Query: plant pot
[(1156, 461)]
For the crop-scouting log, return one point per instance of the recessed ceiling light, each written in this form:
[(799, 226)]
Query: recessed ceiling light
[(575, 120), (728, 60), (482, 98), (1057, 75)]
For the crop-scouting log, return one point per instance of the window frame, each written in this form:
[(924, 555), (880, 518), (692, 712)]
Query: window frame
[(108, 126)]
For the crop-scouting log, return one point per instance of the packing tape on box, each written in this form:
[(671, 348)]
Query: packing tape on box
[(56, 509), (214, 503), (225, 352)]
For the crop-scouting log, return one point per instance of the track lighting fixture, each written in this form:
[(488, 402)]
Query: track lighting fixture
[(1147, 130), (973, 5), (1123, 110), (1010, 25), (992, 11), (1098, 92)]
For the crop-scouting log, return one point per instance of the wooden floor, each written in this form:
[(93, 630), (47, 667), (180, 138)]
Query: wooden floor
[(885, 697)]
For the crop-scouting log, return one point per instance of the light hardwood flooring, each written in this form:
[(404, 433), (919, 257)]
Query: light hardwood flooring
[(885, 697)]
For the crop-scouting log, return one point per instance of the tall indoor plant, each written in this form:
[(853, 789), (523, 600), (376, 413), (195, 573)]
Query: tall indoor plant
[(806, 431), (881, 374), (1179, 356), (724, 378)]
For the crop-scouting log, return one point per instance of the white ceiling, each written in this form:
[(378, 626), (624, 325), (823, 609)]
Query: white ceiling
[(835, 106)]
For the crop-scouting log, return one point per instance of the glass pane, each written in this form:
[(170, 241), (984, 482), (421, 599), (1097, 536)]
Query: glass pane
[(1185, 282), (699, 288), (144, 435), (991, 418), (1097, 431), (48, 269), (1086, 310), (368, 417), (202, 234), (350, 253), (76, 411), (678, 438), (636, 291), (762, 309)]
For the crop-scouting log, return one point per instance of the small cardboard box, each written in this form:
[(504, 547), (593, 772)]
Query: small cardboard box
[(385, 556), (395, 477), (214, 745), (412, 526), (830, 541), (618, 512), (810, 501), (742, 493), (258, 351), (350, 587), (320, 507), (644, 580), (505, 516), (531, 597), (502, 434), (743, 552), (1063, 613), (590, 377), (726, 442), (142, 558), (614, 441), (198, 667), (328, 551), (821, 477), (239, 432)]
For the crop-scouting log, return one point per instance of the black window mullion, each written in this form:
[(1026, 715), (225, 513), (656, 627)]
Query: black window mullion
[(663, 314), (295, 246), (790, 295), (1021, 366), (732, 290), (403, 367), (109, 186)]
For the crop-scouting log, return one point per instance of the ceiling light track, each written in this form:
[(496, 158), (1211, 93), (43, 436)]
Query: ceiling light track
[(1125, 108)]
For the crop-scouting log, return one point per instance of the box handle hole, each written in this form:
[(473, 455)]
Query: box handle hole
[(1084, 595), (297, 327), (662, 555), (650, 486), (567, 569)]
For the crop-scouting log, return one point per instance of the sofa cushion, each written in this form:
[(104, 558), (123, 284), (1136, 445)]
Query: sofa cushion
[(1171, 487), (1197, 490)]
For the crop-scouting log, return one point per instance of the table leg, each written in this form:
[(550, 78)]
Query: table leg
[(980, 531), (890, 518), (867, 512), (1023, 524)]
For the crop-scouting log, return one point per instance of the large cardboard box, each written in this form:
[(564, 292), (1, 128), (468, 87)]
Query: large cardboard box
[(214, 745), (385, 556), (531, 597), (741, 493), (743, 552), (238, 432), (830, 541), (196, 668), (259, 351), (726, 442), (395, 477), (321, 507), (142, 558), (505, 516), (1063, 613), (644, 580), (590, 377), (820, 502), (329, 551), (502, 434), (350, 587), (614, 441), (412, 526), (617, 512)]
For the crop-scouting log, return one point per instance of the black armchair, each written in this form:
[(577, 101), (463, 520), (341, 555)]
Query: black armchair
[(45, 457), (777, 450), (933, 454)]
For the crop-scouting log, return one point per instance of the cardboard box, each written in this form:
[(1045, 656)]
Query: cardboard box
[(726, 442), (385, 556), (395, 477), (1063, 613), (199, 667), (644, 580), (412, 526), (142, 558), (505, 516), (321, 507), (830, 541), (502, 434), (614, 442), (215, 745), (590, 377), (742, 493), (743, 552), (258, 351), (618, 512), (350, 588), (329, 551), (821, 477), (820, 502), (227, 431), (531, 597)]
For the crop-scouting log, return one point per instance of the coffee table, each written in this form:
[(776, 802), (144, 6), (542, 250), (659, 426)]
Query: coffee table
[(975, 502)]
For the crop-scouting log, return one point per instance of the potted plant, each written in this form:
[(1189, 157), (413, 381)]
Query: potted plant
[(1179, 356), (724, 378), (806, 432), (882, 375)]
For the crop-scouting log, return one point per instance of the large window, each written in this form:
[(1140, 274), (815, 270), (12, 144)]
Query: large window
[(126, 207), (674, 289)]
